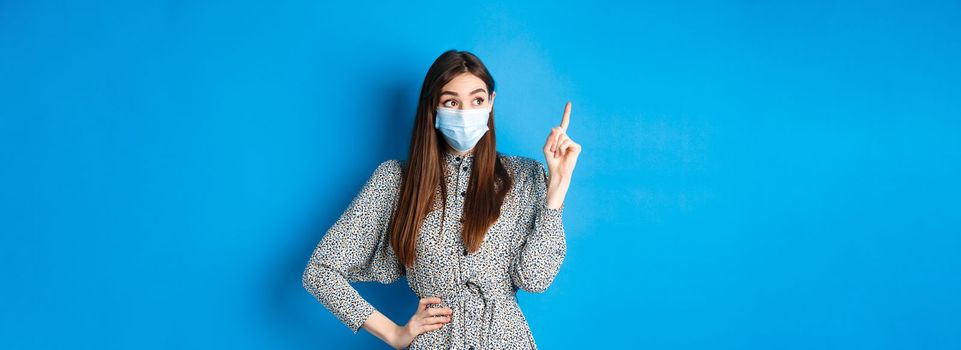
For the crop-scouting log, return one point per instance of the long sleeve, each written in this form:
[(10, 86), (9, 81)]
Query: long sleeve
[(356, 248), (539, 259)]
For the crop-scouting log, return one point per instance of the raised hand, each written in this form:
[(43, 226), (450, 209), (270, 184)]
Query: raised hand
[(561, 153)]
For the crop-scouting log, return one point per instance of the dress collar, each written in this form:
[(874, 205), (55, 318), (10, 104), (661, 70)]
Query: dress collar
[(452, 158)]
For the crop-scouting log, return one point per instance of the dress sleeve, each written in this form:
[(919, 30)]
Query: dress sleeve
[(542, 252), (356, 249)]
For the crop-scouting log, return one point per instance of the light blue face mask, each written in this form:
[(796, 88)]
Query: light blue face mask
[(462, 128)]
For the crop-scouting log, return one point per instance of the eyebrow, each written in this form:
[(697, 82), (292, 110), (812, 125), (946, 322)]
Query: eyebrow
[(455, 94)]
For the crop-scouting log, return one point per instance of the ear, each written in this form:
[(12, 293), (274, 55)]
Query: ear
[(493, 95)]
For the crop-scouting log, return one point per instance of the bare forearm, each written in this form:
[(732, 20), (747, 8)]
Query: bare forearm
[(385, 329), (556, 191)]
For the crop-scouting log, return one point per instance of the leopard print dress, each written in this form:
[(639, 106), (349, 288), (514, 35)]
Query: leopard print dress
[(523, 249)]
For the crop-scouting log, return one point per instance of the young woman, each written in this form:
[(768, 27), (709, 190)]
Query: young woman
[(467, 225)]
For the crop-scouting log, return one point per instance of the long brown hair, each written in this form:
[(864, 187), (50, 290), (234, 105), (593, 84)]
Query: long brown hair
[(423, 180)]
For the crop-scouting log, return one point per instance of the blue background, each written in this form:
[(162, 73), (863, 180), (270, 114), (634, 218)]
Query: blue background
[(755, 175)]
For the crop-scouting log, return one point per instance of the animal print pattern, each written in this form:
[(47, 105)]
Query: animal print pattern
[(523, 249)]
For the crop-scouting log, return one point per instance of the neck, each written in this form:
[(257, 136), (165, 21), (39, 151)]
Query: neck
[(455, 152)]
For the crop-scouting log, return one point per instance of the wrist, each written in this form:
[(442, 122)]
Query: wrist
[(557, 182), (402, 337)]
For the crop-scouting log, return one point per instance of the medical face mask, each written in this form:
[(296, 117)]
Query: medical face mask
[(462, 128)]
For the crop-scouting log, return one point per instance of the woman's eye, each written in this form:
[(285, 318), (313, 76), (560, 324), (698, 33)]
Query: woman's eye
[(449, 103), (478, 101)]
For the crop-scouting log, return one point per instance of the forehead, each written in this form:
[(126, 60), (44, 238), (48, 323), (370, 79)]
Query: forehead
[(465, 83)]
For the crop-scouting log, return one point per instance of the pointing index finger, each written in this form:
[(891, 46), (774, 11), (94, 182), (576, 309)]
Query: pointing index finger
[(567, 116)]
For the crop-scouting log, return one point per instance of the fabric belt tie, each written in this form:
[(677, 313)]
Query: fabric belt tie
[(469, 291)]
